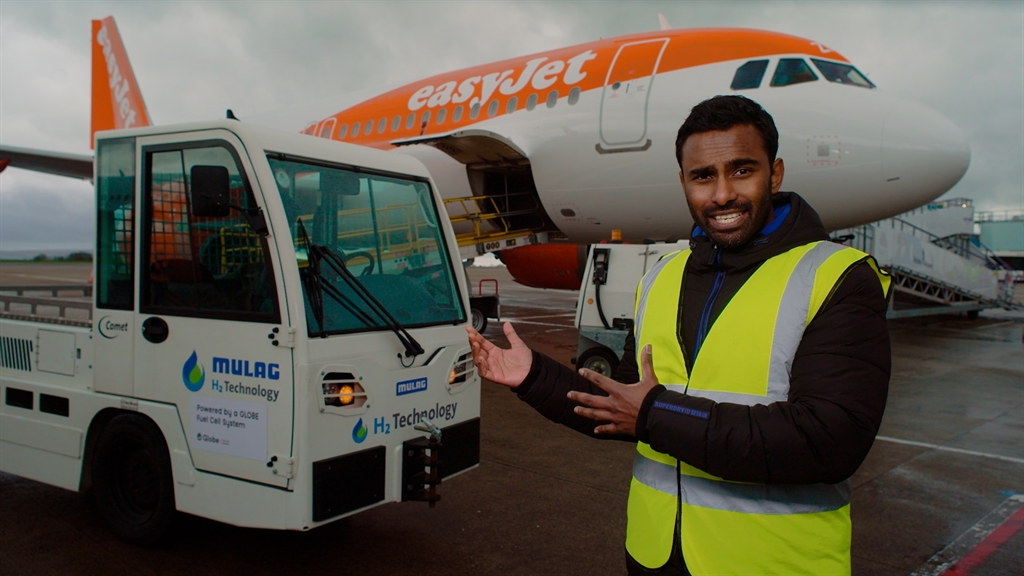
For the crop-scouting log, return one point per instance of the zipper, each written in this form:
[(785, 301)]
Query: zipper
[(705, 316)]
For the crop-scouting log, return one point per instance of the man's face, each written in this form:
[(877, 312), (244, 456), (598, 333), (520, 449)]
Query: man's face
[(729, 182)]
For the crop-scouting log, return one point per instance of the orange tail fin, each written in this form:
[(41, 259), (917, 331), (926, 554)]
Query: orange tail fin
[(116, 99)]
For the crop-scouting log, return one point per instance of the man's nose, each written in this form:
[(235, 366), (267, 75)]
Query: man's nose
[(724, 191)]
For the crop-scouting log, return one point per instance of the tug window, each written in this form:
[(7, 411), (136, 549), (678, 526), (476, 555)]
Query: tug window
[(749, 75), (792, 71), (842, 73)]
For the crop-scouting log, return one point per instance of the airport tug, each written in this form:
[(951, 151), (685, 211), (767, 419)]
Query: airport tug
[(277, 337)]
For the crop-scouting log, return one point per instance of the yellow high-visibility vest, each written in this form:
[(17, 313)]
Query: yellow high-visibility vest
[(734, 527)]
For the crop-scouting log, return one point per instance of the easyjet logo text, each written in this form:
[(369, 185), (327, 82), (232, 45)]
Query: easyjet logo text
[(539, 73), (119, 85)]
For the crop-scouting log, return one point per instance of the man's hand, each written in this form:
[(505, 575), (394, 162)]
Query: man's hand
[(506, 367), (621, 406)]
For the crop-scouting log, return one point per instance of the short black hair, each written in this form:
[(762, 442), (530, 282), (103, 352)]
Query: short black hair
[(724, 112)]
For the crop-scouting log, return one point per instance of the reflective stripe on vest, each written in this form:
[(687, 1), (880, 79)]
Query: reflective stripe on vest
[(745, 359)]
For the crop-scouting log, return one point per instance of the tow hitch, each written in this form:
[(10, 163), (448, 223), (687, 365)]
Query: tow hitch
[(421, 474)]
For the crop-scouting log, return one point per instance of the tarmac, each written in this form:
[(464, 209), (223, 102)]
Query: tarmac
[(944, 482)]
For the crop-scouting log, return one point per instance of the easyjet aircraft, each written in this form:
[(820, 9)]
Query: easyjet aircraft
[(565, 146)]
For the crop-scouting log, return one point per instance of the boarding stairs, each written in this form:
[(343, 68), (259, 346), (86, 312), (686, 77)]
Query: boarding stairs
[(936, 274)]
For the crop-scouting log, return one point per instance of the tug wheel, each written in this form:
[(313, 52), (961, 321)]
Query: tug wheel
[(132, 481)]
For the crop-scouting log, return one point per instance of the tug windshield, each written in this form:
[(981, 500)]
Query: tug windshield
[(384, 229)]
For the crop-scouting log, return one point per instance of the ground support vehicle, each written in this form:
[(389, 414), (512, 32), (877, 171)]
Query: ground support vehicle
[(604, 312), (277, 337), (484, 306)]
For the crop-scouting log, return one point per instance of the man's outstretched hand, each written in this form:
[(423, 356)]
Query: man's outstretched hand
[(507, 367), (622, 404)]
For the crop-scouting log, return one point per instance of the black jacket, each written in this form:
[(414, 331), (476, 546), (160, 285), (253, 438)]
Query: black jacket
[(838, 384)]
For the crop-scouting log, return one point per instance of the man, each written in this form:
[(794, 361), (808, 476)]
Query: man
[(764, 369)]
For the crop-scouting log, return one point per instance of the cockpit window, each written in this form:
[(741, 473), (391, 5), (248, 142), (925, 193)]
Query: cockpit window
[(749, 75), (842, 73), (792, 71)]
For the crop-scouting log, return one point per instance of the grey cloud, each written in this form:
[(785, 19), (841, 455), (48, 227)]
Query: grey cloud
[(291, 61)]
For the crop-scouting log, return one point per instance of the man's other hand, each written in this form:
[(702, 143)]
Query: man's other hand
[(506, 367), (621, 406)]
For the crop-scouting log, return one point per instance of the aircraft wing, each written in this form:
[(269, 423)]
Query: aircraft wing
[(59, 163)]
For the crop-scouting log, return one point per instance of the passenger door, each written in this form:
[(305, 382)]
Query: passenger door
[(626, 94), (209, 311)]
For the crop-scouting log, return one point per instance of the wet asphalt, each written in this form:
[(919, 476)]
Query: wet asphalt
[(546, 500)]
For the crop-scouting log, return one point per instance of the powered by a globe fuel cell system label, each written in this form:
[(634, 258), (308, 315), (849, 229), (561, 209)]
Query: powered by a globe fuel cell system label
[(231, 427)]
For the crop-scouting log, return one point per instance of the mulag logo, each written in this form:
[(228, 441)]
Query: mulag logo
[(193, 374), (410, 386)]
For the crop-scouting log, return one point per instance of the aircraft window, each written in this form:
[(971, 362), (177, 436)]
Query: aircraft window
[(410, 121), (792, 71), (343, 131), (474, 111), (492, 108), (457, 114), (574, 96), (441, 115), (749, 75), (552, 98), (382, 125), (531, 102), (842, 73), (513, 102), (396, 123), (325, 130), (426, 119), (369, 128), (355, 129)]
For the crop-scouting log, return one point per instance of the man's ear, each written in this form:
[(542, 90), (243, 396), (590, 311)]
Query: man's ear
[(778, 172)]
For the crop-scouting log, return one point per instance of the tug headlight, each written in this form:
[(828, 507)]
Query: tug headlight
[(342, 390)]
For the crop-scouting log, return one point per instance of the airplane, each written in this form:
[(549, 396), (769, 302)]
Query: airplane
[(539, 155)]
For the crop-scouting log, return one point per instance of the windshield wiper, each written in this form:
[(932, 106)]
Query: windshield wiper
[(316, 287)]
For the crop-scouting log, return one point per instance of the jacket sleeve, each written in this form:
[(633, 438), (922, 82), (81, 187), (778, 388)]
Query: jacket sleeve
[(546, 386), (838, 387)]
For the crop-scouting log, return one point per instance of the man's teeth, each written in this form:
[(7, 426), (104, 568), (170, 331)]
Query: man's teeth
[(727, 218)]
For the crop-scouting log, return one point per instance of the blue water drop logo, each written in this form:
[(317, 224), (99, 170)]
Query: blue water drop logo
[(359, 432), (192, 373)]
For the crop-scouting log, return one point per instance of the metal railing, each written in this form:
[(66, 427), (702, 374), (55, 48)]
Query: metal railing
[(27, 307), (960, 244)]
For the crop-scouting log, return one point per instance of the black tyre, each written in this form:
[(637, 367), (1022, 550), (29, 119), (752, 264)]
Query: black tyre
[(132, 480), (600, 360), (479, 320)]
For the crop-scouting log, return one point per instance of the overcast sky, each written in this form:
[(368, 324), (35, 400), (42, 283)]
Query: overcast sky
[(292, 61)]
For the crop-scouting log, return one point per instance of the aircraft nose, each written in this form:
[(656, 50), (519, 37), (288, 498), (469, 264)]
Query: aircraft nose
[(923, 153)]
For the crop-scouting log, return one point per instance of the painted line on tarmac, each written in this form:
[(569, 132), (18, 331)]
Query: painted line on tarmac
[(531, 322), (978, 542), (950, 449)]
